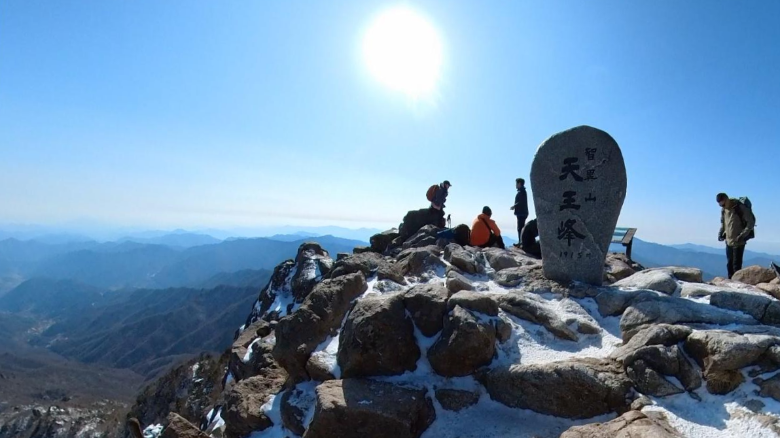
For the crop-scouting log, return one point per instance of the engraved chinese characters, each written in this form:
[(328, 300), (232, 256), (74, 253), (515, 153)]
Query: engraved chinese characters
[(578, 180)]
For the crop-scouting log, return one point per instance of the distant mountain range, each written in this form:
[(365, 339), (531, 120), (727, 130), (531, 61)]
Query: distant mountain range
[(145, 330), (89, 232), (711, 261), (130, 263)]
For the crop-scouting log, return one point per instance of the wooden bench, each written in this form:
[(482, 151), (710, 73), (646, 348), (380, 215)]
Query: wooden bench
[(624, 236)]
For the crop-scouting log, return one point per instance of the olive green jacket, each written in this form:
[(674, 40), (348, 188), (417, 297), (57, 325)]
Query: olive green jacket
[(733, 227)]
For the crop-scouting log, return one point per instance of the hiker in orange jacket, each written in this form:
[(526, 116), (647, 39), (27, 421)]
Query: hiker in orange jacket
[(485, 232)]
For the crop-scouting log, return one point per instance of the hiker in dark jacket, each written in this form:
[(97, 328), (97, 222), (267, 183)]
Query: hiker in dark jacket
[(528, 242), (520, 207), (439, 198), (736, 223)]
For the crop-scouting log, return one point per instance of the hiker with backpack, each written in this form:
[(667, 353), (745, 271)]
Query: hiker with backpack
[(437, 195), (484, 231), (736, 228), (521, 207)]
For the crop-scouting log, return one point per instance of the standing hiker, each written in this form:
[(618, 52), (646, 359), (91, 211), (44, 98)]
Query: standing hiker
[(437, 195), (520, 207), (736, 228), (484, 231)]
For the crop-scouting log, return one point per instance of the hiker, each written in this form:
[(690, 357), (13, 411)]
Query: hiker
[(484, 231), (528, 242), (776, 267), (736, 227), (437, 194), (520, 208)]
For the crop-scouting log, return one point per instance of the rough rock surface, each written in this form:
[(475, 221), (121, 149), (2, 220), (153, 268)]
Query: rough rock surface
[(465, 344), (427, 304), (476, 301), (297, 335), (457, 282), (461, 258), (378, 339), (357, 408), (658, 334), (178, 427), (682, 273), (423, 237), (600, 385), (416, 261), (762, 308), (243, 402), (368, 263), (754, 275), (722, 350), (672, 310), (379, 242), (632, 424), (499, 259)]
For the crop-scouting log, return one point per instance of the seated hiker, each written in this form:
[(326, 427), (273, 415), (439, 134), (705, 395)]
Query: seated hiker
[(484, 231), (528, 242)]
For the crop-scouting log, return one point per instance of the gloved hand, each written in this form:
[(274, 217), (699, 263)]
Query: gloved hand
[(721, 237)]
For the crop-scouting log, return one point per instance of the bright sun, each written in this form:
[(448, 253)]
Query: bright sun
[(403, 51)]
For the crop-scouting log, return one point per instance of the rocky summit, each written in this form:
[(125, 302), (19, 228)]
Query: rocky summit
[(417, 336)]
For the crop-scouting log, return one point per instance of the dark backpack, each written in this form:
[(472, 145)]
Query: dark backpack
[(747, 209), (462, 235), (431, 193)]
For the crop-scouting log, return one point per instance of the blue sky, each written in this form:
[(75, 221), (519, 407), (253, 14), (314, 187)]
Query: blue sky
[(188, 114)]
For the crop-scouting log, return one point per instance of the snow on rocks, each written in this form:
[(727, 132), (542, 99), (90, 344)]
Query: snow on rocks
[(451, 341), (657, 280)]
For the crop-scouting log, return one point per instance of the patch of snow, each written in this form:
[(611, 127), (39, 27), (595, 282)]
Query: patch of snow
[(609, 324), (533, 344), (272, 409), (305, 401), (248, 355), (490, 419), (195, 370), (216, 421), (229, 378), (370, 290), (153, 431), (327, 353), (700, 300), (717, 416)]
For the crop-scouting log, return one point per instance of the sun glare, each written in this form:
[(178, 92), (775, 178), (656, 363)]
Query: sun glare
[(403, 51)]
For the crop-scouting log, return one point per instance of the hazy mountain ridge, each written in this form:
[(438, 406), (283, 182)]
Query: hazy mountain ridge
[(144, 265), (709, 260)]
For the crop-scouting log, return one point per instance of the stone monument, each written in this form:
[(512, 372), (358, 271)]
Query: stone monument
[(578, 179)]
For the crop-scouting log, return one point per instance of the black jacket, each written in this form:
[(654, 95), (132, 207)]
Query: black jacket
[(521, 202)]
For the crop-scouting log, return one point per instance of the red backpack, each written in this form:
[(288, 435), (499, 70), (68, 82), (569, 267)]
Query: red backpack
[(431, 193)]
